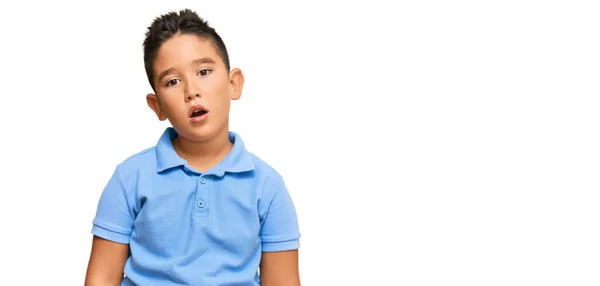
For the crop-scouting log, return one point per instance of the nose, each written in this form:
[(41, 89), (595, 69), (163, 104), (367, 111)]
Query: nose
[(192, 91)]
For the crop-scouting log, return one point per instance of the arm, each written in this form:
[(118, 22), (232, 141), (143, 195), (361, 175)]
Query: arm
[(106, 264), (111, 231), (279, 268), (280, 236)]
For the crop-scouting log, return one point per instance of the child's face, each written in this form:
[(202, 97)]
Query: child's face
[(190, 76)]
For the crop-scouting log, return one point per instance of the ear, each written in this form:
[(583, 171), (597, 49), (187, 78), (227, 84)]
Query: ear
[(154, 104), (236, 79)]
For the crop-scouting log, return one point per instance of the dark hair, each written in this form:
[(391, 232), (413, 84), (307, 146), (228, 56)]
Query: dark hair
[(170, 24)]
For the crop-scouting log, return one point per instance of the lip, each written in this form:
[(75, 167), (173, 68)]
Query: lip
[(195, 107), (198, 118)]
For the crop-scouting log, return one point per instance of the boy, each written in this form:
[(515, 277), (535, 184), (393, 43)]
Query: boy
[(196, 209)]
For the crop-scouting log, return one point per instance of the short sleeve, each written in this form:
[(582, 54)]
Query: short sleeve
[(279, 223), (114, 216)]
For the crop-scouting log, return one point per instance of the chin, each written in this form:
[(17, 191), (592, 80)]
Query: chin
[(198, 133)]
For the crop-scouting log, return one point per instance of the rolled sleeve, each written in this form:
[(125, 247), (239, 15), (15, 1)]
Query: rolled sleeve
[(114, 217), (279, 226), (280, 246)]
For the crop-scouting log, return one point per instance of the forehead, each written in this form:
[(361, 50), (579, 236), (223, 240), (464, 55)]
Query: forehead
[(181, 50)]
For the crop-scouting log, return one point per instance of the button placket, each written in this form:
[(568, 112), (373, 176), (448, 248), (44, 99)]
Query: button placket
[(202, 192)]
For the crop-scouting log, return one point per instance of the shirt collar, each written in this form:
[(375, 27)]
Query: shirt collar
[(238, 160)]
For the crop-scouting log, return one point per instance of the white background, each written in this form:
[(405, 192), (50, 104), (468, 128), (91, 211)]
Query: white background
[(426, 143)]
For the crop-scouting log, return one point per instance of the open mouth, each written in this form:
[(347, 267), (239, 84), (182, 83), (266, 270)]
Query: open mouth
[(198, 112)]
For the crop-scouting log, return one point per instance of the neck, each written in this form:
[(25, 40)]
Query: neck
[(206, 154)]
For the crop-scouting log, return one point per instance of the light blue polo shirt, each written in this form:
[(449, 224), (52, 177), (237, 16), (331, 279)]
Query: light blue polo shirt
[(184, 227)]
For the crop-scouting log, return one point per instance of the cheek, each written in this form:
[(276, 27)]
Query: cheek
[(170, 104), (220, 103), (218, 88), (220, 94)]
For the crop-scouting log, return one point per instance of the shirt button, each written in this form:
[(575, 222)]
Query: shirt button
[(203, 180), (200, 203)]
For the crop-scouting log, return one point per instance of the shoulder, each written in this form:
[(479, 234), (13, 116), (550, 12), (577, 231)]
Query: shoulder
[(270, 178), (263, 169), (140, 160)]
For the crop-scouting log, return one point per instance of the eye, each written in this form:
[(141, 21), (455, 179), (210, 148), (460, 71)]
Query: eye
[(171, 82), (204, 72)]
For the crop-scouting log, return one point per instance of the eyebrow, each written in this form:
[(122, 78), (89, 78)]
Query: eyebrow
[(205, 60)]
